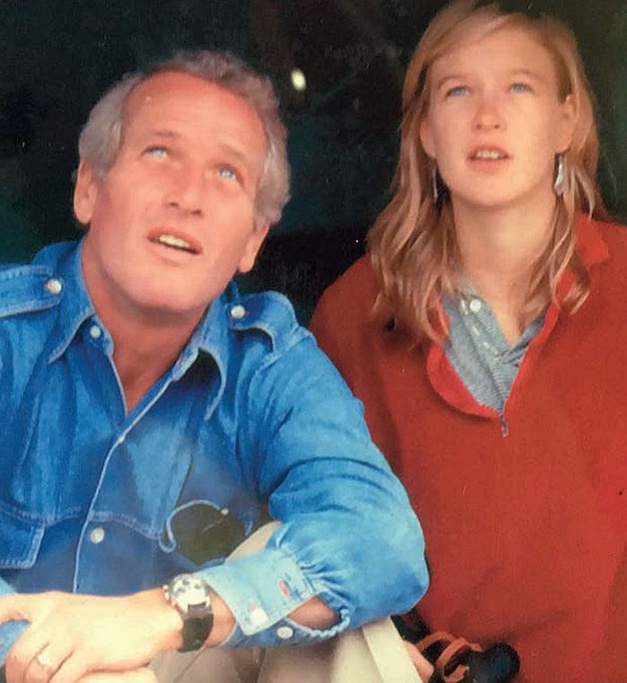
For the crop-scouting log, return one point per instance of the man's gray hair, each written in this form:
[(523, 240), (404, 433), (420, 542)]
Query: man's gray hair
[(100, 138)]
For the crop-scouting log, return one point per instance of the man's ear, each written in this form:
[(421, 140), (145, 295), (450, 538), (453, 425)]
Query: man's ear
[(252, 248), (85, 193)]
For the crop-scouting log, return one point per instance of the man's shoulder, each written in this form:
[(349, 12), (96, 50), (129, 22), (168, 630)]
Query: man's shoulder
[(36, 286), (269, 312)]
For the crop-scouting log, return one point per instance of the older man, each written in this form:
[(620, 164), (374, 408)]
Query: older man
[(152, 415)]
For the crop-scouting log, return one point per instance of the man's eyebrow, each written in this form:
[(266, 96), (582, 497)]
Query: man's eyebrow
[(161, 133), (233, 151)]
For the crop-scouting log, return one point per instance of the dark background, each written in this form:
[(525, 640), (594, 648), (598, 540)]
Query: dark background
[(58, 56)]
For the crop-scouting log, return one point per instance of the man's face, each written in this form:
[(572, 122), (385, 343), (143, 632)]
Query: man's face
[(173, 219)]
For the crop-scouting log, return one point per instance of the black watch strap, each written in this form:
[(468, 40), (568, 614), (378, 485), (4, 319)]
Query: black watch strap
[(196, 630), (190, 595)]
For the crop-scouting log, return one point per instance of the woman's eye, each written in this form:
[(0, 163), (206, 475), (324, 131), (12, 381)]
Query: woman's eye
[(458, 91), (156, 151), (519, 87)]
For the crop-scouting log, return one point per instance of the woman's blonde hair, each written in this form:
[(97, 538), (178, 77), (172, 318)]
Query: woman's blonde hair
[(412, 243)]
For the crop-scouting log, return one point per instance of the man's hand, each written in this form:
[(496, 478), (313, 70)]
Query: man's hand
[(72, 637)]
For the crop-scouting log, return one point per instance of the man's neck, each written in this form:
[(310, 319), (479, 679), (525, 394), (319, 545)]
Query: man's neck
[(146, 345), (142, 358)]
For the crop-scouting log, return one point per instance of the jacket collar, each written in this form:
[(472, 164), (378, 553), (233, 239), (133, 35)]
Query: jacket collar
[(591, 249)]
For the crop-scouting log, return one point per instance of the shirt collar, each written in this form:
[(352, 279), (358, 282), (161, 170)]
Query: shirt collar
[(230, 312), (75, 306)]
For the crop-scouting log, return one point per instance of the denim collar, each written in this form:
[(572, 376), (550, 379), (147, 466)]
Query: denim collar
[(229, 314)]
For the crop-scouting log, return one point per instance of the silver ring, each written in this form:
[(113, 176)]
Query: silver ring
[(43, 662)]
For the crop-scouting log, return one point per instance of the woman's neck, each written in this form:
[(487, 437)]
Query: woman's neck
[(499, 251)]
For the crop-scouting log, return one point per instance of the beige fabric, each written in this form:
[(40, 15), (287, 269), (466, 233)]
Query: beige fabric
[(372, 654)]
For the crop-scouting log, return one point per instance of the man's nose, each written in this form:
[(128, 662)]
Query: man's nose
[(187, 190)]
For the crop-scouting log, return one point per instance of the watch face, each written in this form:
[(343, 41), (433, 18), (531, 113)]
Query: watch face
[(191, 595), (189, 590)]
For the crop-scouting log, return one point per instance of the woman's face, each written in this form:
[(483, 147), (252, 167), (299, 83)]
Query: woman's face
[(495, 121)]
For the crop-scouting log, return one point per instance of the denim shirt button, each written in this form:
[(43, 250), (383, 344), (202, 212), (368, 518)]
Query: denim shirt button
[(97, 535), (284, 632), (238, 312), (95, 332), (54, 286)]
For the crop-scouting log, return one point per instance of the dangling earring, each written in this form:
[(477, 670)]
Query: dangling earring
[(434, 185), (561, 183)]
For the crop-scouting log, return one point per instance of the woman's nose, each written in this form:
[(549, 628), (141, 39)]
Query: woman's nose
[(488, 114)]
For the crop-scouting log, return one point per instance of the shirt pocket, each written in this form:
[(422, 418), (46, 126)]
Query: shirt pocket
[(20, 539), (202, 532)]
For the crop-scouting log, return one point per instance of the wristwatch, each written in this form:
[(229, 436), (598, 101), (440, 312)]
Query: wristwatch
[(189, 594)]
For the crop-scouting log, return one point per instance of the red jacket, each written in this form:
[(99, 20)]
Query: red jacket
[(526, 533)]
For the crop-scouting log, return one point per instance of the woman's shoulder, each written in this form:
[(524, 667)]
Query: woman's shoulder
[(601, 241), (357, 285), (359, 272), (615, 234), (346, 305)]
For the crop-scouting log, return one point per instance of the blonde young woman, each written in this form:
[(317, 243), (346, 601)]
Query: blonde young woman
[(486, 333)]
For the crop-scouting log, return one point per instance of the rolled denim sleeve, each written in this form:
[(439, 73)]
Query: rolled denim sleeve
[(348, 533)]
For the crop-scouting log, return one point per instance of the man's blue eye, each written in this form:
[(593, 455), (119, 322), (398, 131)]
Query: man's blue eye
[(157, 151), (520, 87), (227, 172)]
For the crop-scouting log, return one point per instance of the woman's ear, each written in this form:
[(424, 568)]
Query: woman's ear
[(568, 123), (426, 137), (85, 193)]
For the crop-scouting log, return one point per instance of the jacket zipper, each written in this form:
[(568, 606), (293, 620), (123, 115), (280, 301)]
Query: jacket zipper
[(504, 426)]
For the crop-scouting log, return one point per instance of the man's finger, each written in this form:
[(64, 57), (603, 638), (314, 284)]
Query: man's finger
[(33, 658), (40, 669), (73, 669)]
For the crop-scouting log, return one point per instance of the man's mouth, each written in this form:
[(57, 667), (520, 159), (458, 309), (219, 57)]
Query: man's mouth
[(175, 242)]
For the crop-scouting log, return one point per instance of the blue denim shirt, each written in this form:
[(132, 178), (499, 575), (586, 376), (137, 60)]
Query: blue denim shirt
[(251, 418)]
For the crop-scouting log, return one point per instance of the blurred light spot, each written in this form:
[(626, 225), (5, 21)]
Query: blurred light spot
[(299, 82)]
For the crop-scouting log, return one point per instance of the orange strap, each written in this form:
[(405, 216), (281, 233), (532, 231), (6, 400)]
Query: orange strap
[(447, 665)]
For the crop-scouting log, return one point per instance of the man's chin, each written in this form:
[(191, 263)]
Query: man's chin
[(165, 308)]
